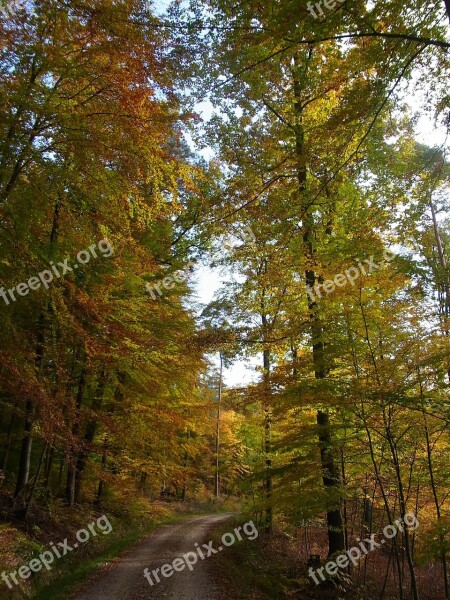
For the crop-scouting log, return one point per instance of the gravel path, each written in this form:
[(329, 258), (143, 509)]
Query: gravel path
[(124, 579)]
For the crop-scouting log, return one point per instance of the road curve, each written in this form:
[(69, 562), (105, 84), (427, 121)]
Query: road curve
[(124, 579)]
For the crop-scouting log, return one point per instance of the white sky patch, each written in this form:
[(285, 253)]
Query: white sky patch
[(158, 7)]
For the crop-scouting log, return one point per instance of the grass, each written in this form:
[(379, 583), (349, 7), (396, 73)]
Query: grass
[(21, 542), (78, 572), (264, 568)]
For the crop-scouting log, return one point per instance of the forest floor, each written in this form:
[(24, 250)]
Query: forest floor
[(23, 541), (123, 579), (111, 567), (275, 567), (249, 569)]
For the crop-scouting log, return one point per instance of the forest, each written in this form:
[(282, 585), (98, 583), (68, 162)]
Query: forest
[(225, 290)]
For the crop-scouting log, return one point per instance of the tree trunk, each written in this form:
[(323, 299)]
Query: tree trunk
[(35, 480), (331, 478), (186, 460), (9, 440), (447, 8), (25, 450), (442, 541), (330, 470), (101, 482), (71, 465), (48, 467), (219, 402), (30, 406), (403, 509), (89, 436), (267, 409), (445, 274)]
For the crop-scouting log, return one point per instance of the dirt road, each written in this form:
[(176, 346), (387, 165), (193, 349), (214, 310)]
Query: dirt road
[(124, 579)]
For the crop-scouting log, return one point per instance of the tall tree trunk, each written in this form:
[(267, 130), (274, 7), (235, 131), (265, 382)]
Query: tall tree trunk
[(330, 469), (219, 404), (71, 465), (267, 409), (9, 440), (331, 479), (101, 481), (35, 480), (89, 436), (445, 275), (25, 449), (30, 414), (186, 460), (447, 8), (48, 467), (437, 504), (385, 499), (30, 406), (403, 508)]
